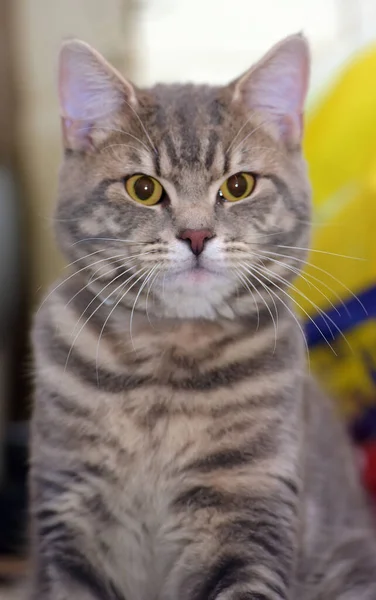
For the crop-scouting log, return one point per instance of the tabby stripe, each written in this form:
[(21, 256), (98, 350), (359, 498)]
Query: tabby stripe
[(227, 572), (112, 382), (203, 496), (51, 532), (264, 539), (262, 446), (212, 146), (269, 400), (170, 148), (66, 405), (298, 208), (79, 569), (253, 596), (236, 427), (289, 484), (47, 487)]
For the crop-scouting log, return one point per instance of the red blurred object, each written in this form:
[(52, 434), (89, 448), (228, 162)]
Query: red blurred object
[(368, 466)]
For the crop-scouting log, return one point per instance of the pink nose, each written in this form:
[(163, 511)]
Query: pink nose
[(197, 238)]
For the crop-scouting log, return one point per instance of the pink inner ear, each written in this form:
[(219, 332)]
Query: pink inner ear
[(277, 85), (88, 86), (89, 91)]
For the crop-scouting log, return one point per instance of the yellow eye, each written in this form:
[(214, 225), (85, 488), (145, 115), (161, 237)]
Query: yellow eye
[(237, 187), (144, 189)]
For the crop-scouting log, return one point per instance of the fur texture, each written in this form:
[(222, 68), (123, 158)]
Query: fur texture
[(180, 449)]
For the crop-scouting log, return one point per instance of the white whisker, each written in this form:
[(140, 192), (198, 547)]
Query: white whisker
[(243, 280), (305, 262), (124, 145), (123, 260), (144, 283), (322, 252), (309, 283), (324, 315), (291, 312), (94, 311), (101, 292), (251, 133), (296, 302), (114, 130), (106, 239), (157, 273), (113, 309), (238, 133), (266, 304), (142, 125), (83, 257), (67, 279)]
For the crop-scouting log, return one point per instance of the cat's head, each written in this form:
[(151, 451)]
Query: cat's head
[(187, 197)]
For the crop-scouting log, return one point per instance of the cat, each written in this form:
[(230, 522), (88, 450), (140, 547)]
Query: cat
[(180, 448)]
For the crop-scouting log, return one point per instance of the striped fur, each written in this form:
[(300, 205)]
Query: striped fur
[(180, 449)]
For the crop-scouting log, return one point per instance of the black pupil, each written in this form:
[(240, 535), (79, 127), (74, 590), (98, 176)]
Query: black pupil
[(237, 185), (144, 188)]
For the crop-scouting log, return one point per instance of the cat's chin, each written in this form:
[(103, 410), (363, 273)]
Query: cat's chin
[(197, 293)]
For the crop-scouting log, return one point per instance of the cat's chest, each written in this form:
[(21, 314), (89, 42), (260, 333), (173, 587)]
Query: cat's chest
[(141, 529)]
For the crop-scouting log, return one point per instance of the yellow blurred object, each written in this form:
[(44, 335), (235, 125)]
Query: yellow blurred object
[(340, 147)]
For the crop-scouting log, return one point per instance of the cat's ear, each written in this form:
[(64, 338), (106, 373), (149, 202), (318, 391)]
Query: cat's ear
[(90, 92), (277, 85)]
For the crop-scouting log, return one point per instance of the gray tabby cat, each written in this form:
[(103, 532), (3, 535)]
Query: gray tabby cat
[(180, 449)]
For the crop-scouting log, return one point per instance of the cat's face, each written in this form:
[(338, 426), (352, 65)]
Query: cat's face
[(183, 196)]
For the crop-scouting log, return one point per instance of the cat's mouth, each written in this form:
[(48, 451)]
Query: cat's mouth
[(198, 273)]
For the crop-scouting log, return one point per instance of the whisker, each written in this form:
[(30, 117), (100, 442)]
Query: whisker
[(101, 292), (245, 282), (144, 283), (239, 132), (123, 259), (283, 280), (105, 239), (297, 304), (323, 252), (124, 144), (298, 273), (66, 280), (93, 313), (291, 312), (266, 304), (114, 130), (91, 281), (157, 273), (83, 257), (142, 270), (251, 133), (142, 125), (324, 315), (305, 262)]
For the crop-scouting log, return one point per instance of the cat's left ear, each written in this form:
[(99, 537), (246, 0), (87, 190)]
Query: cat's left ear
[(276, 87), (91, 92)]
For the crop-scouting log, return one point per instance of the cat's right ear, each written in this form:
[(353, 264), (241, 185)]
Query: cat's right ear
[(90, 92), (276, 87)]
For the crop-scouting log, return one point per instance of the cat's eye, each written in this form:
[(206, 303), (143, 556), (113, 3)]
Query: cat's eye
[(144, 189), (237, 187)]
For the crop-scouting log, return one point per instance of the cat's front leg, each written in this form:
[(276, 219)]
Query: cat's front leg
[(64, 578), (247, 548)]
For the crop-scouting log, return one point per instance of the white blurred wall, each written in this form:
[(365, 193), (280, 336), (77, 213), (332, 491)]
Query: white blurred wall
[(215, 40)]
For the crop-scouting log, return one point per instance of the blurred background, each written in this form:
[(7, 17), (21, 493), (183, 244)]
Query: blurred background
[(204, 41)]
